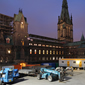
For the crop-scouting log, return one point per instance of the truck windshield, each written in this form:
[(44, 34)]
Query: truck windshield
[(10, 73)]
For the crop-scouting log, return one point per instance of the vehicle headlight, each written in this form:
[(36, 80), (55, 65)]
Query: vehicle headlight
[(3, 75)]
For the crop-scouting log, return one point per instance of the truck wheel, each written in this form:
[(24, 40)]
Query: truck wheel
[(50, 78), (38, 76), (0, 82)]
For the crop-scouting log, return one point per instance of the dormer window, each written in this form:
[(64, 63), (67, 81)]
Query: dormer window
[(7, 40)]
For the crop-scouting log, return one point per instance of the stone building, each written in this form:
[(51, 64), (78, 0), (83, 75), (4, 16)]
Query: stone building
[(65, 25), (6, 41), (17, 45)]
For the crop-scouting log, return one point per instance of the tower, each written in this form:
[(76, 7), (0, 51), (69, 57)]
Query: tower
[(21, 29), (65, 25), (82, 38)]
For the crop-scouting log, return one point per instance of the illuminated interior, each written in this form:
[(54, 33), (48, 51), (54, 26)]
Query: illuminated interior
[(77, 62), (9, 51)]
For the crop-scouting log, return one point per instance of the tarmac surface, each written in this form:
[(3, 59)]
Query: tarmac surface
[(78, 78)]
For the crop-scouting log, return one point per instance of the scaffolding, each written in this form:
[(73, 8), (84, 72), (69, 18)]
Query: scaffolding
[(6, 24)]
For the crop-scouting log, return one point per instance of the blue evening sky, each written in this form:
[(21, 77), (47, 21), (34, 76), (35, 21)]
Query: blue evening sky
[(42, 15)]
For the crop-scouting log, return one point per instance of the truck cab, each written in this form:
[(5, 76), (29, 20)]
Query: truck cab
[(6, 75)]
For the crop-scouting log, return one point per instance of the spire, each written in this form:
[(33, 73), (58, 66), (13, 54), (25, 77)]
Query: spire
[(71, 19), (82, 37), (64, 4), (64, 13), (20, 10)]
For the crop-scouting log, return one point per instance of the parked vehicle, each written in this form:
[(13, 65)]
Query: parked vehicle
[(69, 62), (7, 74), (50, 74), (33, 70)]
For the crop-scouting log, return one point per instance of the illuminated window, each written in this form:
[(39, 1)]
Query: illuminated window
[(56, 52), (1, 60), (22, 43), (35, 51), (59, 52), (53, 58), (39, 51), (30, 43), (46, 45), (47, 52), (59, 46), (50, 45), (56, 46), (9, 51), (39, 44), (43, 45), (43, 51), (56, 58), (53, 46), (53, 52), (50, 52), (30, 51), (35, 44), (22, 25)]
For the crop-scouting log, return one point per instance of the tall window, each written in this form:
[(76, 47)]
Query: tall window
[(47, 58), (56, 58), (39, 51), (50, 51), (43, 51), (43, 58), (56, 52), (30, 51), (53, 58), (53, 52), (50, 58), (35, 51), (59, 52), (47, 52), (22, 25)]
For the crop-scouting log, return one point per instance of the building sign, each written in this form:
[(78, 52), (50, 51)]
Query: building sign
[(7, 40)]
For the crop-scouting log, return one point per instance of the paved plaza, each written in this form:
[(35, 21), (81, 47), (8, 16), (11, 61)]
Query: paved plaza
[(78, 78)]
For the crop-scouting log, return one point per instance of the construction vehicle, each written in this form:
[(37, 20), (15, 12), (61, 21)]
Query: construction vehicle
[(7, 74), (31, 70), (50, 74), (15, 73)]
